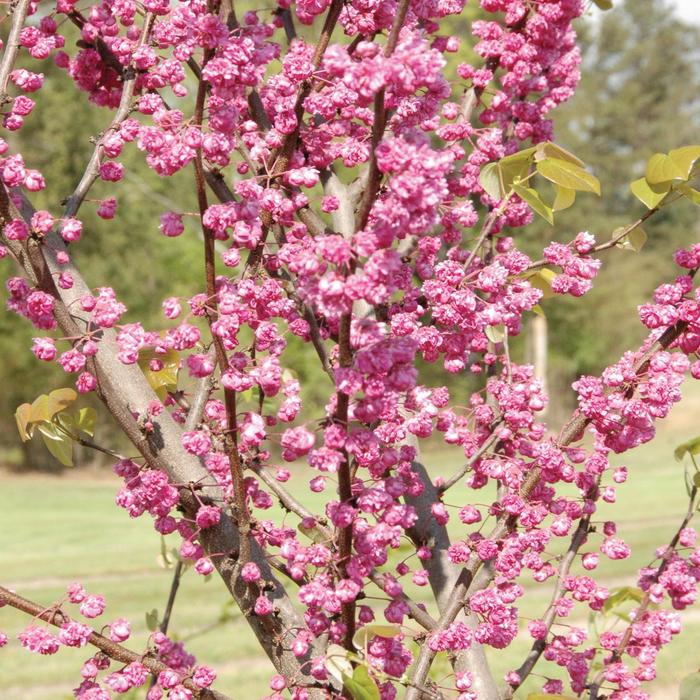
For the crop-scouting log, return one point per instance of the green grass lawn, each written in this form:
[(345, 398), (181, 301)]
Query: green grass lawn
[(54, 530)]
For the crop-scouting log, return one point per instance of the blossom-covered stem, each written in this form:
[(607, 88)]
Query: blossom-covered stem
[(237, 479), (422, 617), (106, 54), (290, 503), (609, 243), (577, 541), (379, 123), (594, 687), (486, 229), (112, 649), (279, 160), (125, 391), (344, 477), (571, 432), (12, 45), (483, 448), (92, 169)]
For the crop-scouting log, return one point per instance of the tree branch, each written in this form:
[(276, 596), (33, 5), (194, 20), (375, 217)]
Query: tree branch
[(125, 392), (57, 617), (505, 524), (9, 56)]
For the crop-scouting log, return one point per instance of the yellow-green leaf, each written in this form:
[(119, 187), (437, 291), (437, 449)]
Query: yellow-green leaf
[(661, 168), (691, 447), (490, 180), (534, 201), (152, 620), (648, 197), (368, 632), (337, 662), (164, 379), (542, 280), (361, 685), (689, 193), (40, 409), (548, 149), (537, 309), (603, 4), (515, 167), (564, 198), (85, 420), (496, 334), (634, 240), (569, 175), (58, 444), (685, 158), (23, 416), (60, 399)]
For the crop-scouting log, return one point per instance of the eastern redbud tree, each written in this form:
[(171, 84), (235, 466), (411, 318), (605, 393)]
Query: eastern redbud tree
[(355, 193)]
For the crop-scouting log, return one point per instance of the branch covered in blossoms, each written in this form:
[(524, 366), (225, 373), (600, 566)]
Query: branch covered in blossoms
[(355, 195)]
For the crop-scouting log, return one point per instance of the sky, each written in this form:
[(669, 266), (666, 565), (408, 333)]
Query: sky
[(689, 10)]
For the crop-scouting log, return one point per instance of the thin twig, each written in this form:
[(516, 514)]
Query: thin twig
[(608, 244), (57, 618), (594, 687), (92, 169), (505, 524), (483, 448), (12, 46)]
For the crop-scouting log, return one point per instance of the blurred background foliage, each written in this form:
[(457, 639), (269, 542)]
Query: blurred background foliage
[(639, 94)]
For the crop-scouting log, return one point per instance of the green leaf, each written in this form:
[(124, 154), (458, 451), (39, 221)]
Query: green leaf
[(690, 687), (564, 198), (368, 632), (689, 193), (542, 280), (534, 201), (164, 379), (85, 420), (696, 480), (361, 685), (490, 180), (648, 197), (515, 167), (661, 168), (497, 178), (569, 175), (59, 399), (620, 596), (152, 620), (548, 149), (496, 334), (23, 416), (691, 447), (603, 4), (337, 662), (40, 409), (537, 309), (685, 158), (46, 406), (634, 240), (57, 443)]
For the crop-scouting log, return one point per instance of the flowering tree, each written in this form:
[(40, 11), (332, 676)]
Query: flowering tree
[(354, 195)]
